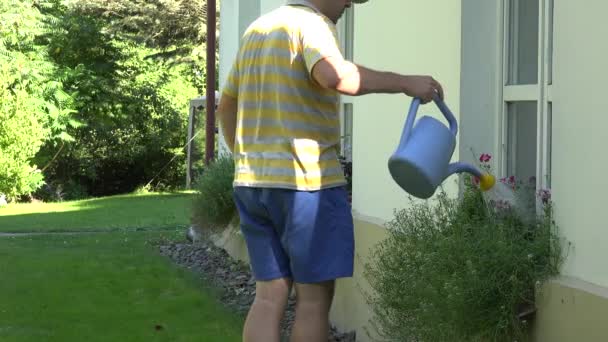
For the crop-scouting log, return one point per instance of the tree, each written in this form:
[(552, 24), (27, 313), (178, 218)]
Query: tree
[(134, 107), (34, 108), (94, 93)]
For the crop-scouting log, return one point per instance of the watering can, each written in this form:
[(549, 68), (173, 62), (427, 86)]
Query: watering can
[(421, 162)]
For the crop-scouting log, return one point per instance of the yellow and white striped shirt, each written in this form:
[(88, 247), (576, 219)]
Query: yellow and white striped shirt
[(288, 127)]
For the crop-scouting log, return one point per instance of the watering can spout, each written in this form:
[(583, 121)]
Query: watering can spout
[(486, 180), (460, 167)]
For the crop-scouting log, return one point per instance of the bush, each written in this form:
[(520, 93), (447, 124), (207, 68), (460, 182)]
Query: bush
[(462, 269), (213, 207)]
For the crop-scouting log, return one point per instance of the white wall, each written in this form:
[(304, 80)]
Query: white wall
[(236, 16), (269, 5), (580, 122), (411, 37), (228, 38), (228, 45)]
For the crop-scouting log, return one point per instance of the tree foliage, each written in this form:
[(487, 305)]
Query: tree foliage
[(94, 94), (156, 23), (34, 106)]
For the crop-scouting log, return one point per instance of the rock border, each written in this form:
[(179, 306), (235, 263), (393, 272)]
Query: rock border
[(232, 278)]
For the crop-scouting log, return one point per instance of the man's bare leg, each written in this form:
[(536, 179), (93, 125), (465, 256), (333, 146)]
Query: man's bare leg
[(264, 318), (313, 302)]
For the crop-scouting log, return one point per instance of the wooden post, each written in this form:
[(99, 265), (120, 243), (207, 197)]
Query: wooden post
[(190, 151), (210, 91)]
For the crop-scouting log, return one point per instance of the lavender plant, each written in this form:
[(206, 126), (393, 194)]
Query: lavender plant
[(463, 269)]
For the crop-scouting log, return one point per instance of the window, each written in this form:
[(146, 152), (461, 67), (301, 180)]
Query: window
[(346, 31), (526, 93)]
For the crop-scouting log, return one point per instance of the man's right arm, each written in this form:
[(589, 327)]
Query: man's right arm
[(355, 80)]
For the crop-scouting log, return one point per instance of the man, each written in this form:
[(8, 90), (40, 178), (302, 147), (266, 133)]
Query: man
[(280, 117)]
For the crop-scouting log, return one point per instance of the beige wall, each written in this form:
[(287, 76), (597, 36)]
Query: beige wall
[(350, 310), (571, 310), (580, 161), (411, 37)]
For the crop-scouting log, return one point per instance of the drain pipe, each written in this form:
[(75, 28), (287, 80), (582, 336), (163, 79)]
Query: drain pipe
[(210, 92)]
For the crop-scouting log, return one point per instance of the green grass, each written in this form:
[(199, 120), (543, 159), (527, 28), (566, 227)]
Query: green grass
[(104, 287), (151, 210)]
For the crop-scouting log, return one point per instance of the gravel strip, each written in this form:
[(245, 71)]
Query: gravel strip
[(233, 278)]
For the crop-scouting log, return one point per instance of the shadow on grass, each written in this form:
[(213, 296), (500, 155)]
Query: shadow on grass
[(124, 212)]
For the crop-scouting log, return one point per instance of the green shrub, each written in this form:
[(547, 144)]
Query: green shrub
[(213, 206), (35, 107), (460, 269)]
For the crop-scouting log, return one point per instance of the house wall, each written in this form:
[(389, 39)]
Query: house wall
[(573, 306), (579, 133), (420, 37), (576, 305), (269, 5), (236, 16)]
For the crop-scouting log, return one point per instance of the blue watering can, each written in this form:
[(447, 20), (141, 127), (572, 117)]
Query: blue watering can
[(422, 159)]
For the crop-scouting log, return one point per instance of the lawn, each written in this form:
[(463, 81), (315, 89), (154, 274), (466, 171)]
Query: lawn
[(145, 211), (104, 287), (111, 285)]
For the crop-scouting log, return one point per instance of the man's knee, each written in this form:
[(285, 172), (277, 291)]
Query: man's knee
[(273, 293), (315, 296)]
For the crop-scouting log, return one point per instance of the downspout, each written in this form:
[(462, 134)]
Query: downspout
[(210, 123)]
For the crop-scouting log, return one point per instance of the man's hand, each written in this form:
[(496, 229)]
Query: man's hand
[(423, 87)]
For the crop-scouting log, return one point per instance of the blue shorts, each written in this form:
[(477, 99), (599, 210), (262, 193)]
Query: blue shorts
[(307, 236)]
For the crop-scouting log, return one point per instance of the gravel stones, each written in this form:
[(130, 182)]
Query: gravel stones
[(232, 278)]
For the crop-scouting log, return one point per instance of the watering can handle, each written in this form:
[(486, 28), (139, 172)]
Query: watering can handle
[(409, 121), (447, 114), (411, 116)]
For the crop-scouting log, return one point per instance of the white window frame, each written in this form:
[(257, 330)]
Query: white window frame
[(346, 28), (541, 92)]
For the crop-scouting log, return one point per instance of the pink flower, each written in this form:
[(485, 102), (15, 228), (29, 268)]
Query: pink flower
[(484, 158), (545, 195), (475, 180), (512, 183), (500, 205)]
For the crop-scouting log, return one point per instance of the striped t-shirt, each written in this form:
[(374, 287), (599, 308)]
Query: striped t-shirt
[(288, 126)]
